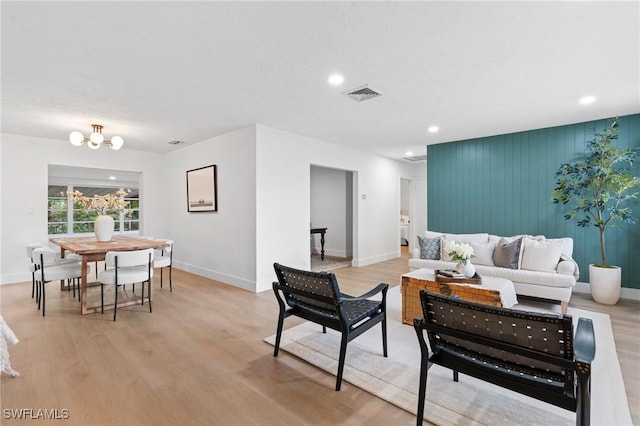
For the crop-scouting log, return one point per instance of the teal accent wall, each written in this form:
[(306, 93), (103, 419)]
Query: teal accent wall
[(503, 184)]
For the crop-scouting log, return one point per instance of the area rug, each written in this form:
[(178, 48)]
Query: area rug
[(468, 402), (328, 263)]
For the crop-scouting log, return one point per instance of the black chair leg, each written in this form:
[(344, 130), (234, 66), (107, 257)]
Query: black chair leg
[(115, 306), (44, 298), (384, 335), (142, 298), (101, 298), (38, 294), (324, 329), (33, 285), (422, 390), (170, 282), (276, 347), (343, 353), (149, 284), (161, 277)]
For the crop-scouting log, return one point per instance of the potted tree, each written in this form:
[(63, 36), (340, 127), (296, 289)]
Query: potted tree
[(600, 186)]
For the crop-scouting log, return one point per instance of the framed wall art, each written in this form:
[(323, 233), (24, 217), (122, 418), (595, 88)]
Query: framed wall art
[(202, 193)]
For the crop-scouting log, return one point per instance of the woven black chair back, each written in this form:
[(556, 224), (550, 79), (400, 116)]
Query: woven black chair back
[(314, 291), (517, 343)]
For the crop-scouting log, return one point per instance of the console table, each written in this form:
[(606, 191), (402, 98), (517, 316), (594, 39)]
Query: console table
[(320, 231)]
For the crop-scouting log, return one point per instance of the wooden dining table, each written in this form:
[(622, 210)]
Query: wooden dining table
[(91, 250)]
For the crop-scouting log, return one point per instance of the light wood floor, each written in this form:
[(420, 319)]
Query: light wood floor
[(199, 359)]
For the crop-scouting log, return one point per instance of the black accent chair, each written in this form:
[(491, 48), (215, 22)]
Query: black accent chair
[(315, 296), (534, 354)]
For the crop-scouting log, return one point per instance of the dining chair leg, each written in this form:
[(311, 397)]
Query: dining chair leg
[(142, 298), (149, 284), (44, 298), (101, 298), (161, 277), (170, 281), (115, 306)]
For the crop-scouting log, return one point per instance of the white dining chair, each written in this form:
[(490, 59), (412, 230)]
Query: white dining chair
[(30, 247), (48, 267), (164, 259), (127, 267)]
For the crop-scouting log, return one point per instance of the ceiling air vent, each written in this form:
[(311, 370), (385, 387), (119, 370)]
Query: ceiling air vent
[(416, 158), (363, 93), (176, 142)]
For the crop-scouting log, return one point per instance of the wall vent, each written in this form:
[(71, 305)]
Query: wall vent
[(416, 158), (363, 93)]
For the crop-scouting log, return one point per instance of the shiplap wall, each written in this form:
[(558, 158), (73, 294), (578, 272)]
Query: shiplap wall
[(503, 185)]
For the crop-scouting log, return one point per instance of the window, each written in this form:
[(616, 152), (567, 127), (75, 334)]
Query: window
[(65, 218)]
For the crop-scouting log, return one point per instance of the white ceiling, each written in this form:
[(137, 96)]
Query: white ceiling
[(153, 72)]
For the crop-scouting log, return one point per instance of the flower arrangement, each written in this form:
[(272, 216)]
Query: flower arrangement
[(102, 204), (459, 252)]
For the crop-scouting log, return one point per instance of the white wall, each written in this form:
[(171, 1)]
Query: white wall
[(24, 175), (283, 163), (218, 245), (329, 210), (419, 198), (263, 201)]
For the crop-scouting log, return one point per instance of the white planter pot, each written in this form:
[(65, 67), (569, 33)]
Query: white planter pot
[(103, 227), (605, 284)]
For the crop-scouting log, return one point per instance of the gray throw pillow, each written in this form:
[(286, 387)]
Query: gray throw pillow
[(507, 255), (429, 248)]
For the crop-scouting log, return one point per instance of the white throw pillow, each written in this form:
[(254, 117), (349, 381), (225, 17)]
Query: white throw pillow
[(541, 255), (483, 253)]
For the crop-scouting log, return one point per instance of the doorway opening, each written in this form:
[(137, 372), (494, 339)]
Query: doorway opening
[(405, 212), (332, 207)]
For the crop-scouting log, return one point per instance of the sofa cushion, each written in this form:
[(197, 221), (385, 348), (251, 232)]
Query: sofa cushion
[(482, 253), (507, 254), (537, 278), (433, 234), (466, 238), (429, 247), (541, 255), (460, 238)]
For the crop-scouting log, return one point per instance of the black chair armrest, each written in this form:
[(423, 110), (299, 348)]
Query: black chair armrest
[(584, 341), (380, 288)]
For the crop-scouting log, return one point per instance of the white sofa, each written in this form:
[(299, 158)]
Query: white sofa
[(537, 266)]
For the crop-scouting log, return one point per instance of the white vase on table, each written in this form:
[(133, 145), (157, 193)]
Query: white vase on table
[(469, 270), (103, 227)]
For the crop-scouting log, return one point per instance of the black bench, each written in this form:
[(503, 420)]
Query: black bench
[(534, 354)]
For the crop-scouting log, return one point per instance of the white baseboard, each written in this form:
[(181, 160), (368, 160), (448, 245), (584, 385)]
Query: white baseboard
[(375, 259), (214, 275), (331, 252), (625, 293)]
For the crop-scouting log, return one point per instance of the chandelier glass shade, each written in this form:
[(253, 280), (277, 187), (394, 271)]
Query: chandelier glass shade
[(95, 139)]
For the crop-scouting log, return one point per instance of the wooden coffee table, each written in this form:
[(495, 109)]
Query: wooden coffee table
[(493, 291)]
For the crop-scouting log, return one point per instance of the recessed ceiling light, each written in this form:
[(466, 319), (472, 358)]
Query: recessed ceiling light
[(408, 153), (433, 129), (336, 79), (112, 177), (586, 100)]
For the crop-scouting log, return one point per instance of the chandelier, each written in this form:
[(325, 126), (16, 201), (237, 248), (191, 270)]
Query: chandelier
[(95, 139)]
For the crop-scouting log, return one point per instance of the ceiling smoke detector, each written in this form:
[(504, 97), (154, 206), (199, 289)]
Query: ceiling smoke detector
[(363, 93)]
